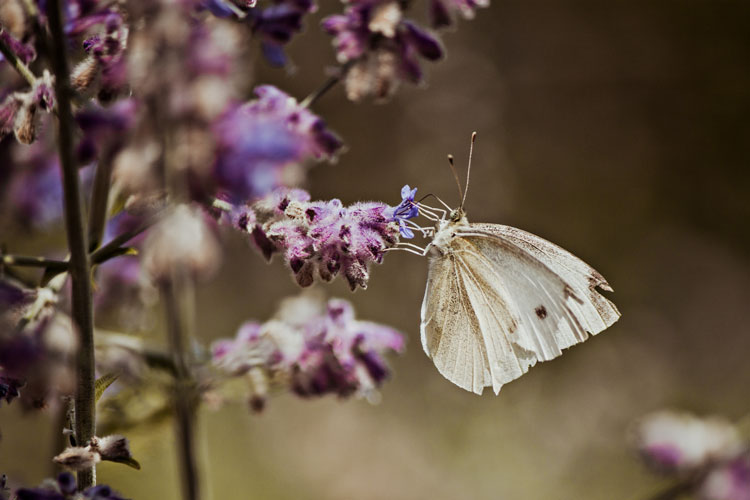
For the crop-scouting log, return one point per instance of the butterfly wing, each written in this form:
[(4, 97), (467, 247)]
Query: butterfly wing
[(455, 330), (493, 290), (596, 313)]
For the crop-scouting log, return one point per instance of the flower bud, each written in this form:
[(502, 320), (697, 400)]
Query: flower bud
[(181, 241), (78, 458)]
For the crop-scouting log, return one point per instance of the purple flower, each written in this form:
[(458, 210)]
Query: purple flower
[(323, 238), (730, 481), (64, 488), (35, 190), (677, 442), (312, 348), (19, 110), (104, 69), (277, 24), (104, 129), (405, 210), (260, 140), (381, 46), (25, 52)]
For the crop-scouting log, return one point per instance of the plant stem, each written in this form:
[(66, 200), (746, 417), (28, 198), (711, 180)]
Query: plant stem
[(174, 296), (25, 261), (14, 61), (99, 200), (326, 86), (80, 269)]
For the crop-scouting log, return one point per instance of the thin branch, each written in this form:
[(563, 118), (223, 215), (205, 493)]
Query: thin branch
[(14, 61), (326, 86), (114, 247), (25, 261), (80, 269), (100, 200)]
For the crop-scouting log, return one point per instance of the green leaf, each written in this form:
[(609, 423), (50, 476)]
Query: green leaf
[(129, 461), (101, 385)]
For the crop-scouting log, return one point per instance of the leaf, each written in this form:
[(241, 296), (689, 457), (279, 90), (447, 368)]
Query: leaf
[(101, 385), (129, 461)]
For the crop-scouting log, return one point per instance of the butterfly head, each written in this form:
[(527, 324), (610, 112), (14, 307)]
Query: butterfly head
[(457, 215)]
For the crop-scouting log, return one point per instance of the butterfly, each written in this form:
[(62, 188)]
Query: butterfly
[(498, 299)]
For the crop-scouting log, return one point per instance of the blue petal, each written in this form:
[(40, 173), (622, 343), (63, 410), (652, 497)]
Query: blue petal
[(405, 231), (407, 193)]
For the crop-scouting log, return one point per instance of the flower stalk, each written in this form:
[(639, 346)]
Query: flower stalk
[(16, 62), (79, 267)]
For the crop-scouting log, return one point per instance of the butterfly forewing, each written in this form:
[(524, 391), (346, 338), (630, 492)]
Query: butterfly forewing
[(510, 296)]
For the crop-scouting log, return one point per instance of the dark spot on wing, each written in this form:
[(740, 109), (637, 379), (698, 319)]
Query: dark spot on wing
[(541, 312)]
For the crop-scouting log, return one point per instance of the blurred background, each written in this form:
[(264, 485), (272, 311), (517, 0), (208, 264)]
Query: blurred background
[(618, 130)]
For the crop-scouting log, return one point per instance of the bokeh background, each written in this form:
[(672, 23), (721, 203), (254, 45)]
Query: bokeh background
[(618, 130)]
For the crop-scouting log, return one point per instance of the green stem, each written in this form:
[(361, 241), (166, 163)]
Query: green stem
[(24, 261), (14, 61), (80, 268), (99, 200), (326, 86), (175, 296)]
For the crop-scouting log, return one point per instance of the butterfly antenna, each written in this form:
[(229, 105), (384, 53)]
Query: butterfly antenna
[(455, 176), (468, 170)]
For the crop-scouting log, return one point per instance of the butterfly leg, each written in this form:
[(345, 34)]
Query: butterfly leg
[(432, 213), (426, 231)]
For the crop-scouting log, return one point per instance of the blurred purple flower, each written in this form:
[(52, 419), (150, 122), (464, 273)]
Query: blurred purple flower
[(323, 237), (64, 488), (729, 481), (441, 11), (405, 210), (257, 141), (25, 52), (277, 24), (19, 110), (672, 442), (104, 70), (312, 349), (383, 47), (104, 129), (35, 189)]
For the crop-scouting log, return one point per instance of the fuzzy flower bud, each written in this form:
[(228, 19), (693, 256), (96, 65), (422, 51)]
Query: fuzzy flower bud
[(181, 241), (678, 442), (78, 458)]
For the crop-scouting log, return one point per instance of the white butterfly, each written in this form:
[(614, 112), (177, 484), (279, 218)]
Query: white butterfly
[(499, 299)]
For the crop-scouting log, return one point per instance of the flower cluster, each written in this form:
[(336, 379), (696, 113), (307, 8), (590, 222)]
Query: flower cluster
[(688, 446), (259, 142), (64, 488), (310, 348), (319, 238), (382, 46), (37, 345)]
